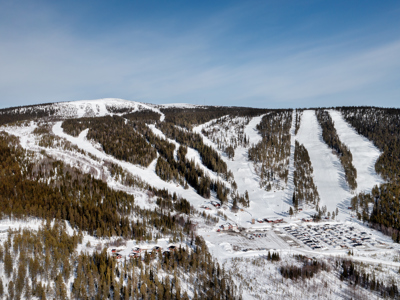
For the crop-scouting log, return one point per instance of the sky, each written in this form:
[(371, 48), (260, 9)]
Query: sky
[(272, 54)]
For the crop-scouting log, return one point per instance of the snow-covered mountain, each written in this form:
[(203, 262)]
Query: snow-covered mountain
[(237, 169), (84, 108)]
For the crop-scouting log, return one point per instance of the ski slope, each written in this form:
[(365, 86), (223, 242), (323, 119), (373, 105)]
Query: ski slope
[(262, 203), (192, 154), (365, 154), (328, 172), (147, 174)]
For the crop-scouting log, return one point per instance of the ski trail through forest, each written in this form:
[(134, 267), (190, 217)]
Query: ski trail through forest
[(288, 197), (328, 171), (364, 153)]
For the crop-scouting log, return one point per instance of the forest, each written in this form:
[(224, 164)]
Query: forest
[(25, 113), (271, 154), (42, 263), (228, 133), (382, 127), (47, 189), (210, 158), (299, 113), (305, 191), (188, 117), (47, 262), (116, 136)]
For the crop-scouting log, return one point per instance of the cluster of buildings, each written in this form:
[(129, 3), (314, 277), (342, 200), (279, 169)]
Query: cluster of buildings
[(269, 220), (227, 226), (138, 252)]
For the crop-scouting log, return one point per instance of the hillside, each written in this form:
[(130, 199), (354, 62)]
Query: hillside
[(226, 187)]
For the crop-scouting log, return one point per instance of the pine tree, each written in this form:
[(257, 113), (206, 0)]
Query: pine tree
[(295, 201), (1, 288), (28, 290), (11, 290), (8, 263)]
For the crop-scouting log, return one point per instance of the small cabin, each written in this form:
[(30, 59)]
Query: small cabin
[(273, 220), (136, 250), (228, 227)]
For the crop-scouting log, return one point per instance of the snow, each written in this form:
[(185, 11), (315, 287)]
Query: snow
[(178, 105), (262, 203), (160, 134), (90, 108), (192, 154), (146, 174), (365, 154), (329, 175), (100, 107), (23, 132), (15, 224)]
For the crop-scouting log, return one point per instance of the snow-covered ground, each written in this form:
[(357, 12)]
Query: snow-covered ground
[(178, 105), (262, 203), (365, 154), (226, 247), (192, 154), (329, 175), (146, 174), (91, 108)]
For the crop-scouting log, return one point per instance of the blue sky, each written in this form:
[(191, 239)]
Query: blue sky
[(243, 53)]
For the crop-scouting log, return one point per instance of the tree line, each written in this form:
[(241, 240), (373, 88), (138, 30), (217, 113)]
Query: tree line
[(305, 190), (356, 276), (116, 136), (41, 263), (188, 117), (299, 113), (210, 158), (219, 130), (382, 127), (45, 261), (271, 154)]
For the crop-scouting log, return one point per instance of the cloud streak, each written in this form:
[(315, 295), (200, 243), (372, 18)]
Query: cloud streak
[(159, 66)]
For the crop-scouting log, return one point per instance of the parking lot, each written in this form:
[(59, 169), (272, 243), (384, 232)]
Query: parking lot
[(254, 240), (332, 236)]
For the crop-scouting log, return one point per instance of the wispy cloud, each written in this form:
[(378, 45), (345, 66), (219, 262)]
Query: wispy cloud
[(153, 64)]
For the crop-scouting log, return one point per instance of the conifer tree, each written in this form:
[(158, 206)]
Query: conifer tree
[(8, 263)]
